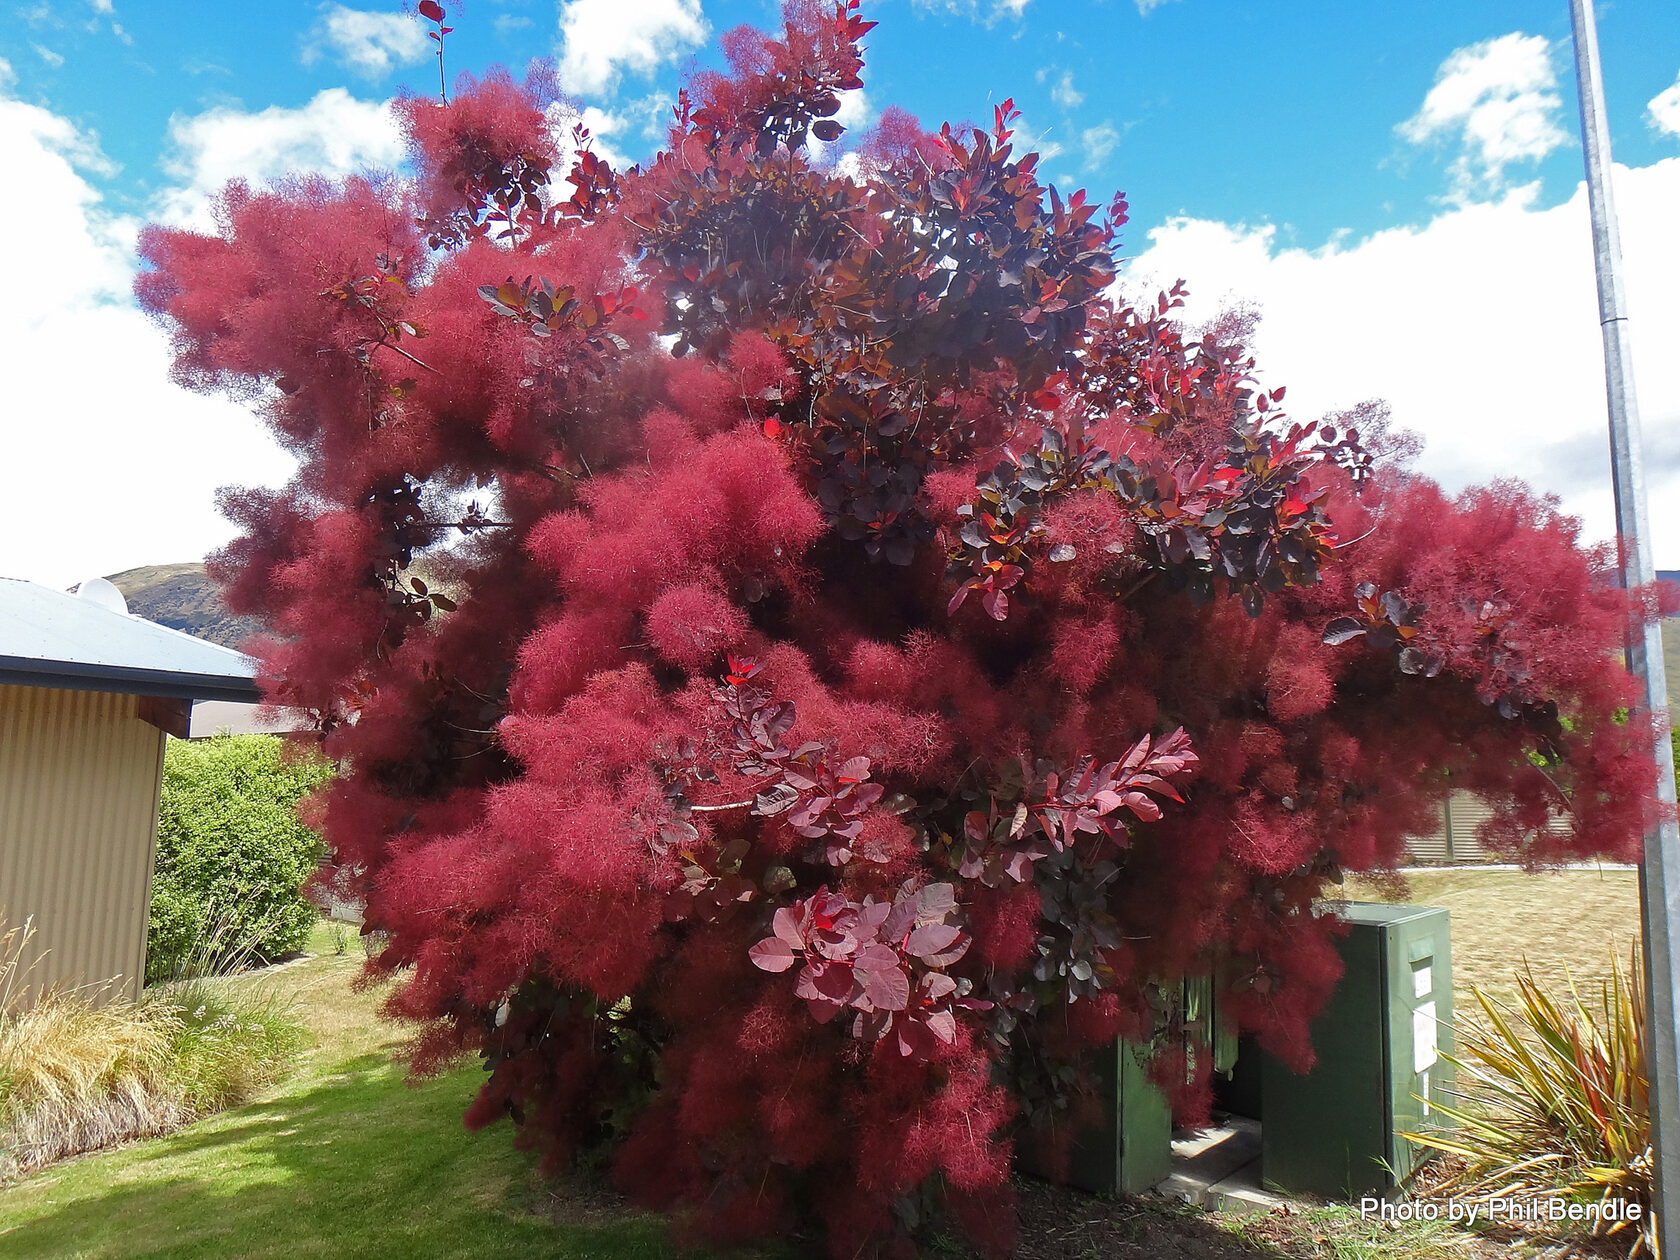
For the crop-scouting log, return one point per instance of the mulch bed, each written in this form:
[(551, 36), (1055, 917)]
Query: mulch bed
[(1056, 1223), (1061, 1224)]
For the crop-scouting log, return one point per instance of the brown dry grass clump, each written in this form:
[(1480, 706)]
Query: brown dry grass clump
[(76, 1076)]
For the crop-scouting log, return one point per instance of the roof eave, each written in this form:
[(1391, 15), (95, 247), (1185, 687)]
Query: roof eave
[(80, 676)]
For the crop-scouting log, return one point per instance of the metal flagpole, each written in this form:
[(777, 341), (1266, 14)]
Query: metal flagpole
[(1659, 874)]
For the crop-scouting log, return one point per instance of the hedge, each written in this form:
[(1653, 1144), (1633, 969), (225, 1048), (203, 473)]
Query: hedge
[(232, 855)]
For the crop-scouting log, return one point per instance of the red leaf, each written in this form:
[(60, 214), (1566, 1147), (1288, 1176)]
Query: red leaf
[(946, 958), (771, 954), (914, 1039), (1018, 866), (855, 770), (932, 939), (786, 925), (935, 985), (936, 901), (887, 989), (872, 916), (827, 987), (943, 1024), (866, 795), (1142, 806), (431, 9)]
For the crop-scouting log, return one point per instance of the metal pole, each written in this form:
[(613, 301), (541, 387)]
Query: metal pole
[(1659, 874)]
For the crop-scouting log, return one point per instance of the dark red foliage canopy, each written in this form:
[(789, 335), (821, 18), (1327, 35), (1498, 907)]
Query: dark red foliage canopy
[(807, 661)]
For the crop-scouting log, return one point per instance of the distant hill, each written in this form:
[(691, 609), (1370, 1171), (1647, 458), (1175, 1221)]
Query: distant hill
[(181, 597)]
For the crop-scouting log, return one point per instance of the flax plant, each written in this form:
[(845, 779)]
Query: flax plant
[(1553, 1103)]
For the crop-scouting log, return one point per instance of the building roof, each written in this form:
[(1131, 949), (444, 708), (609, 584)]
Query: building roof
[(52, 639)]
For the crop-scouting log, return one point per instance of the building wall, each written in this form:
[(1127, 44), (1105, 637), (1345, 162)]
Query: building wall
[(229, 717), (79, 780), (1457, 843)]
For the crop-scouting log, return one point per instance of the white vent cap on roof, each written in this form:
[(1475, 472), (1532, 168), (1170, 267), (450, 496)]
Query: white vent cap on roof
[(104, 593)]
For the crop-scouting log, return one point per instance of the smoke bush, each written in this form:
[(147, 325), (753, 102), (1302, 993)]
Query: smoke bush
[(862, 661)]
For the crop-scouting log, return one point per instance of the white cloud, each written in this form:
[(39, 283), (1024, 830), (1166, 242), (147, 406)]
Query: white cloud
[(1663, 111), (1028, 137), (601, 38), (602, 125), (124, 463), (855, 112), (53, 59), (334, 135), (1499, 99), (1146, 7), (1062, 91), (7, 75), (1480, 328), (1098, 143), (371, 43), (855, 115), (103, 6), (972, 9)]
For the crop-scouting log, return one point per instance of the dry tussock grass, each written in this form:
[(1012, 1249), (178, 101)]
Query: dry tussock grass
[(75, 1077)]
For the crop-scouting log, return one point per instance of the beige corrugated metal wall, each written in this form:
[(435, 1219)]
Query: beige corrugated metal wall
[(79, 777), (1456, 843), (1436, 848)]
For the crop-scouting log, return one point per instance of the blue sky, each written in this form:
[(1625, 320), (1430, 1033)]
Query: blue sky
[(1396, 185), (1234, 111)]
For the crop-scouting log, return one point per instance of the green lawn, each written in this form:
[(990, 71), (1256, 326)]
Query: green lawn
[(345, 1159)]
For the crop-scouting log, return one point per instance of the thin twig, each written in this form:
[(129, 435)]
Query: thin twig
[(1361, 538), (391, 345)]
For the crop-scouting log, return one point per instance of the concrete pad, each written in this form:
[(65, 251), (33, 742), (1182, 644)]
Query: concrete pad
[(1219, 1169)]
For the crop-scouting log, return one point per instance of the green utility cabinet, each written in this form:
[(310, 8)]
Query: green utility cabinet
[(1335, 1131), (1131, 1151)]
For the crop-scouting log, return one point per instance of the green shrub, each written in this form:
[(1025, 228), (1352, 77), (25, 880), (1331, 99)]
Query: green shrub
[(232, 855)]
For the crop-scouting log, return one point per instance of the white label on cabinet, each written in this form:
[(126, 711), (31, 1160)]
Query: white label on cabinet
[(1423, 1038)]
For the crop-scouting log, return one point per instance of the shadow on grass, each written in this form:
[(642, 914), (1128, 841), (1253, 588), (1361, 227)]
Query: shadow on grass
[(358, 1164)]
